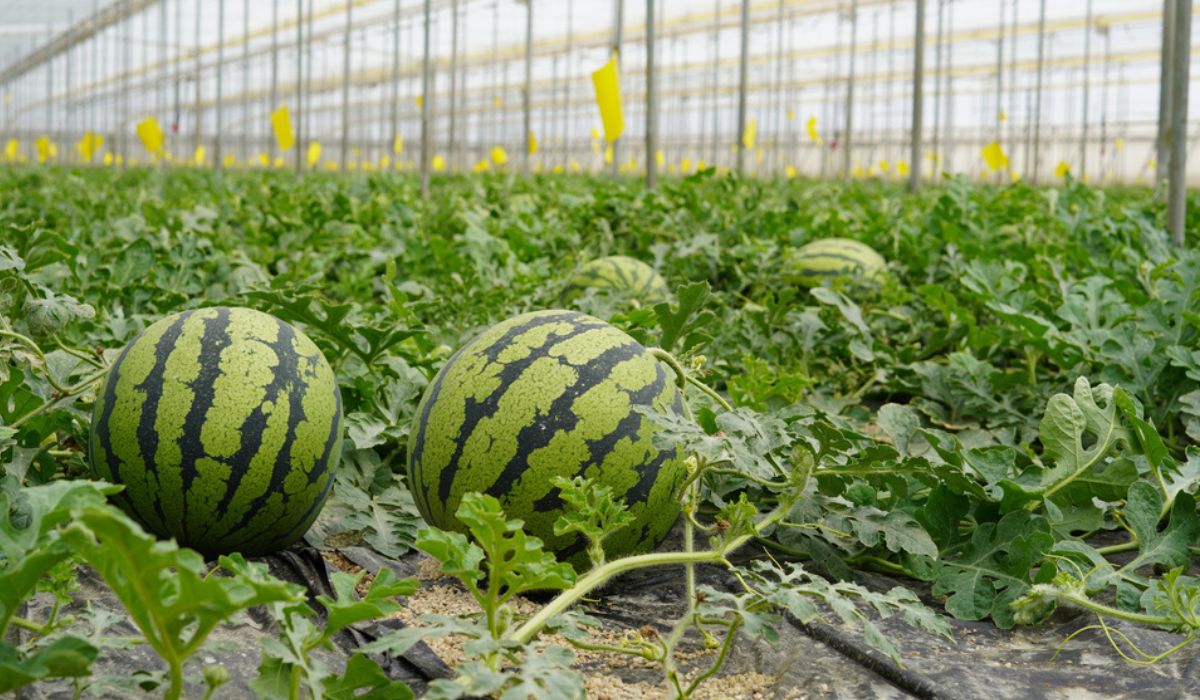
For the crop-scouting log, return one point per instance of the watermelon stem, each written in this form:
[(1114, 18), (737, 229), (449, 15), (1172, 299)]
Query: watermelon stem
[(683, 378), (62, 395), (26, 341), (600, 575)]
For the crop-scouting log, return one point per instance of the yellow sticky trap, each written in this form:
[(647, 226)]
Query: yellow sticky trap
[(499, 156), (790, 171), (314, 153), (90, 144), (885, 166), (994, 156), (608, 154), (1003, 116), (791, 115), (685, 165), (120, 160), (279, 161), (574, 166), (902, 167), (438, 163), (858, 171), (398, 144), (228, 161), (750, 135), (352, 165), (1062, 169), (595, 134), (420, 100), (1152, 164), (1119, 144), (533, 144), (596, 147), (151, 135), (660, 158), (498, 101), (557, 169), (483, 165), (759, 155), (331, 165), (813, 134), (12, 149), (43, 148), (281, 126), (108, 159), (537, 168), (199, 157), (385, 162), (607, 83), (701, 165), (1014, 175)]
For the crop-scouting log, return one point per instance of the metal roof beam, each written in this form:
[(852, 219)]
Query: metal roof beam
[(73, 35)]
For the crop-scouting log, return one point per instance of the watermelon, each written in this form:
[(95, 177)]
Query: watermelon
[(546, 394), (623, 276), (815, 262), (224, 425)]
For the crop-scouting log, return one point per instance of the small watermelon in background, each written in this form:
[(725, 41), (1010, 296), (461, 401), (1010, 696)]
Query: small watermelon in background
[(545, 394), (811, 264), (627, 277), (224, 425)]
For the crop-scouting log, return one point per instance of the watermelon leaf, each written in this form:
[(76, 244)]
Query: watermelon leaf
[(511, 561), (166, 590), (29, 540), (348, 609), (364, 674), (688, 316), (65, 657), (994, 568), (592, 512)]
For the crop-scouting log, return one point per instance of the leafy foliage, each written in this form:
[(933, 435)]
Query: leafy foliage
[(1024, 382)]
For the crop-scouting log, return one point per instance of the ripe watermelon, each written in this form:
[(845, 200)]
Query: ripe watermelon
[(815, 262), (627, 277), (545, 394), (224, 425)]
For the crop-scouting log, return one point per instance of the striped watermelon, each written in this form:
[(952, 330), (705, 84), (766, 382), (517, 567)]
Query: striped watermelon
[(815, 262), (224, 425), (627, 277), (541, 395)]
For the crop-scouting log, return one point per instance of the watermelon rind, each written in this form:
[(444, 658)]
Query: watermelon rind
[(625, 276), (224, 425), (812, 264), (545, 394)]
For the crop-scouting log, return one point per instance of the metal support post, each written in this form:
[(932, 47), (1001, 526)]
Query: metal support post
[(918, 106), (345, 154), (1177, 171), (426, 98), (527, 105), (651, 101), (743, 79)]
